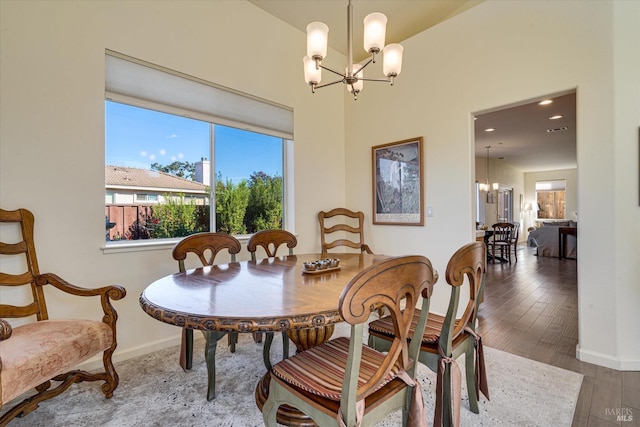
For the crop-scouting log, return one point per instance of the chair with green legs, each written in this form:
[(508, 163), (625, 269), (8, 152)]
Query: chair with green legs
[(447, 337)]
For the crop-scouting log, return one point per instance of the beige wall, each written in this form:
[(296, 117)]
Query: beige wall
[(52, 126), (501, 53), (495, 54)]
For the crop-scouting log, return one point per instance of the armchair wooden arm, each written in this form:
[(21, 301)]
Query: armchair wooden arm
[(106, 293)]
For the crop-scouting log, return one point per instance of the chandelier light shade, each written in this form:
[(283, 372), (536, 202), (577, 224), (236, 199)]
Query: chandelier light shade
[(317, 38), (312, 75), (392, 60), (357, 72), (375, 28)]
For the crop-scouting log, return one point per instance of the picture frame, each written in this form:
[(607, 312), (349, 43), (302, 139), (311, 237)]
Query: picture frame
[(398, 188)]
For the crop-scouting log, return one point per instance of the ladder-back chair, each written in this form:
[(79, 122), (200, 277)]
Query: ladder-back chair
[(34, 354), (348, 226)]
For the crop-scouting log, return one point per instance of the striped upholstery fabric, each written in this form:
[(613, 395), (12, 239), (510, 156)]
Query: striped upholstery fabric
[(320, 370), (431, 335)]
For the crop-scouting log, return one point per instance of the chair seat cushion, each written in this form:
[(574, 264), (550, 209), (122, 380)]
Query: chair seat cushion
[(384, 326), (37, 352), (321, 370)]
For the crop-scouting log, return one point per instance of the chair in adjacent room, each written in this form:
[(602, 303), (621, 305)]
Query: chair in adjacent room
[(41, 350), (346, 383), (515, 235), (270, 241), (348, 226), (501, 241), (447, 337), (205, 246)]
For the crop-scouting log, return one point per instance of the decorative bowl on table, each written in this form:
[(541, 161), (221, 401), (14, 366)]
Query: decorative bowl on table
[(321, 265), (309, 266)]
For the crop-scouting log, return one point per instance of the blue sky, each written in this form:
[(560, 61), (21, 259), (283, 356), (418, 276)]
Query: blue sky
[(137, 138)]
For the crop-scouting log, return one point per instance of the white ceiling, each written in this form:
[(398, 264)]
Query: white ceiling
[(525, 137), (520, 139)]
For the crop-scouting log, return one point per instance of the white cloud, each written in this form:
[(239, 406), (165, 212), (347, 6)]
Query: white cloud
[(173, 136), (163, 152), (143, 153), (180, 155), (152, 157)]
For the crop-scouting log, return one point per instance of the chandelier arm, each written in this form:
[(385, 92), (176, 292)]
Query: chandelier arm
[(375, 80), (327, 84), (363, 67), (333, 71)]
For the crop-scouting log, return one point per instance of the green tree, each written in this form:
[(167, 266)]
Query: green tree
[(173, 218), (231, 205), (185, 170), (264, 210)]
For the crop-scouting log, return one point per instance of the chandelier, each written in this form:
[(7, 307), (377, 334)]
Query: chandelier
[(374, 34), (486, 186)]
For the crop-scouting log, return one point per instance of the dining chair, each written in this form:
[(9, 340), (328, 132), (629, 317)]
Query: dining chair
[(501, 240), (446, 338), (40, 356), (205, 246), (346, 383), (515, 235), (348, 226), (270, 241)]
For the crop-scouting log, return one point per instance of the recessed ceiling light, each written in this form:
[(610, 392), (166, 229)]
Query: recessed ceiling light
[(489, 130), (545, 102), (555, 117)]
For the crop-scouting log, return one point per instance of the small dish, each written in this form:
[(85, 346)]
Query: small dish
[(310, 266)]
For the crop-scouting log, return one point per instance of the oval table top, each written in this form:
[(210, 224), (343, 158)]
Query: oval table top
[(271, 294)]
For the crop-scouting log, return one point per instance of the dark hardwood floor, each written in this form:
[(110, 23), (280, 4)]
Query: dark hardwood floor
[(531, 309)]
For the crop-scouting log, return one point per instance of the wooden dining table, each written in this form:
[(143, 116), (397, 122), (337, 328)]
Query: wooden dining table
[(272, 294)]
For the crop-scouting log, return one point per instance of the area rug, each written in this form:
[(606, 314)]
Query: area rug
[(155, 391)]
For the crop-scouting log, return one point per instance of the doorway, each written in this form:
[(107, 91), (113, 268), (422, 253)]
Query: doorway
[(517, 145)]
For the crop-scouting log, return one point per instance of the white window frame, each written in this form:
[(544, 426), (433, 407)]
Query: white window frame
[(284, 130)]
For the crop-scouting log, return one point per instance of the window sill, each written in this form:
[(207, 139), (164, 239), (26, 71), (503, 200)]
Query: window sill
[(123, 246)]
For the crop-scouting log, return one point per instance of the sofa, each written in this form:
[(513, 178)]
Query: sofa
[(546, 239)]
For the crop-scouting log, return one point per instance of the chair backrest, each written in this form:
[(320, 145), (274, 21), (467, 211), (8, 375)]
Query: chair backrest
[(206, 246), (270, 241), (389, 283), (22, 220), (515, 233), (345, 221), (502, 232), (470, 262)]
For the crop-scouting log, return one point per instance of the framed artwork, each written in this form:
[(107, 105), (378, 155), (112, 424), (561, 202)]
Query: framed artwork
[(398, 194)]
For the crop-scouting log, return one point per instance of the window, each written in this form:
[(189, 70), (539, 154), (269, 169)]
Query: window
[(154, 150), (159, 182), (146, 197), (550, 196)]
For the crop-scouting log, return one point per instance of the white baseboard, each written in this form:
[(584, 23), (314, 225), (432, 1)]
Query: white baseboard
[(119, 356), (607, 360)]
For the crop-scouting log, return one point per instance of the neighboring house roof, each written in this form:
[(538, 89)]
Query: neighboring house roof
[(148, 180)]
